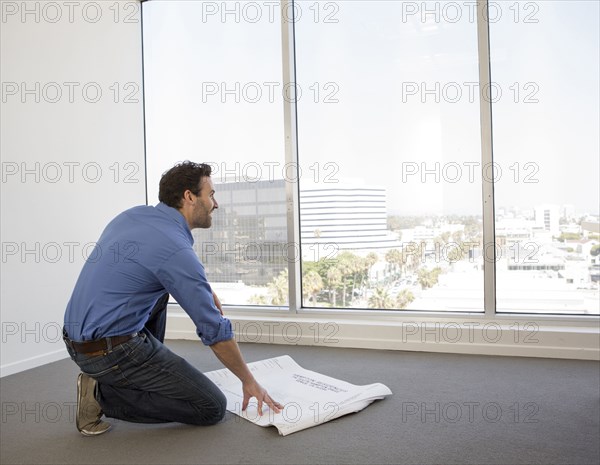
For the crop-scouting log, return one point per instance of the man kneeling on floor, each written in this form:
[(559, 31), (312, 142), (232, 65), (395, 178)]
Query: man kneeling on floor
[(115, 321)]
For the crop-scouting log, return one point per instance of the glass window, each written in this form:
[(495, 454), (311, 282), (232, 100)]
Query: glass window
[(388, 123), (214, 94), (546, 119)]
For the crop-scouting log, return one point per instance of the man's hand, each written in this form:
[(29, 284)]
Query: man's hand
[(217, 302), (253, 389), (229, 354)]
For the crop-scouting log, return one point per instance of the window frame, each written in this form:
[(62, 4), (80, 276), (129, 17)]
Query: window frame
[(295, 311)]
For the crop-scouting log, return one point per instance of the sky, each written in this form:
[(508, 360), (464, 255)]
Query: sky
[(365, 115)]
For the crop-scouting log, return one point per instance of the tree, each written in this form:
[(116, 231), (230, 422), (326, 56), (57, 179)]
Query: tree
[(258, 299), (359, 269), (278, 289), (343, 274), (442, 238), (425, 278), (371, 259), (566, 236), (428, 278), (334, 279), (456, 252), (312, 283), (473, 229), (395, 222), (404, 298), (390, 257), (346, 263), (396, 259), (411, 254), (381, 298), (457, 236)]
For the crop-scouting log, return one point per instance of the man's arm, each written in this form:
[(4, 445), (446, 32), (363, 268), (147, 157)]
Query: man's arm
[(229, 354), (183, 276), (217, 302)]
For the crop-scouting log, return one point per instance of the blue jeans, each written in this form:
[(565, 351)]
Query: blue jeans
[(142, 381)]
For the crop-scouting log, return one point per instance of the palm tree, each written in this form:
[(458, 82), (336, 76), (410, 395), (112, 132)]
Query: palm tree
[(258, 299), (371, 259), (334, 279), (404, 298), (312, 283), (358, 269), (395, 258), (368, 263), (411, 255), (381, 298), (346, 265), (457, 236), (428, 278), (456, 253), (278, 289)]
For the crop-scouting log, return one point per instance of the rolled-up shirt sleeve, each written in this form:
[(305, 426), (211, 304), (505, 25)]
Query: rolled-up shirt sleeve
[(184, 278)]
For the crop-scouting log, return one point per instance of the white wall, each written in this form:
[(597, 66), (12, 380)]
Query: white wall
[(86, 159)]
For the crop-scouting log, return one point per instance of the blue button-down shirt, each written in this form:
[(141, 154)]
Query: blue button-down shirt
[(143, 253)]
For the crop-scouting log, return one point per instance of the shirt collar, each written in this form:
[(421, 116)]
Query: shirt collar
[(177, 217)]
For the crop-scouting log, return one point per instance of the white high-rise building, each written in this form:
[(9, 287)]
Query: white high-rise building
[(344, 217), (547, 218)]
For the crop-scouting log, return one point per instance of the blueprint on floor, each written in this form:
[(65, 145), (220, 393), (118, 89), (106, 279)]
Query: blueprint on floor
[(309, 398)]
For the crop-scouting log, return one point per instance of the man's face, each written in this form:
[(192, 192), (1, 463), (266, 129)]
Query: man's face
[(205, 204)]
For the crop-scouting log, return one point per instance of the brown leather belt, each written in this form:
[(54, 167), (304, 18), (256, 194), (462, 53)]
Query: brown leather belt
[(100, 345)]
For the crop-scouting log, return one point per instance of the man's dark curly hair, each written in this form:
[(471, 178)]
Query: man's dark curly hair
[(182, 177)]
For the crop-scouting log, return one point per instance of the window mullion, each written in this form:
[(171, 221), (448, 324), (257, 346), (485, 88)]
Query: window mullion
[(489, 233), (291, 157)]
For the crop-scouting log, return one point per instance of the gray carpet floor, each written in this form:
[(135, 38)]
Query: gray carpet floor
[(446, 409)]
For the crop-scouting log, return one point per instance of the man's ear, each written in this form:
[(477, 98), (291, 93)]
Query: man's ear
[(187, 196)]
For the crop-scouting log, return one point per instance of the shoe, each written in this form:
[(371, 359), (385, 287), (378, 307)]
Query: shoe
[(89, 411)]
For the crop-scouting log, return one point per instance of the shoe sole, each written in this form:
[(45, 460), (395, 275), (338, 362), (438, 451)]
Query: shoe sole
[(88, 433)]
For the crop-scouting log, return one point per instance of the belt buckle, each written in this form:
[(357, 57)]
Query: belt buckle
[(101, 351), (97, 353)]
